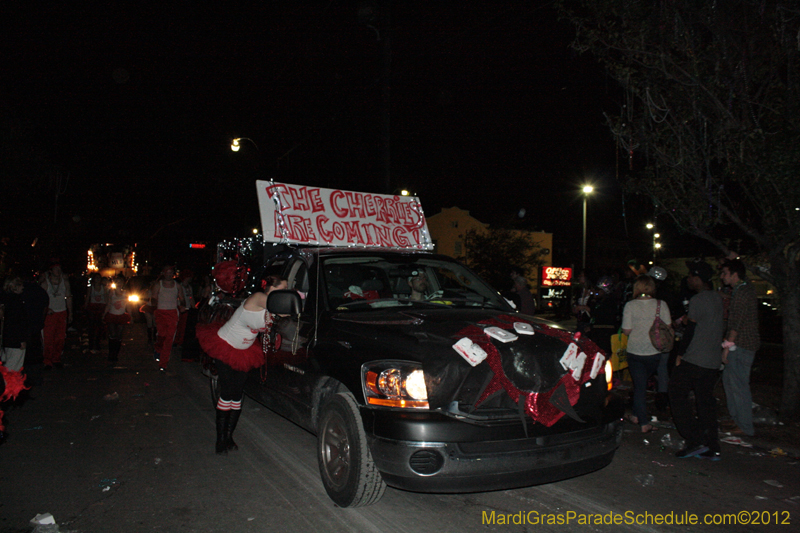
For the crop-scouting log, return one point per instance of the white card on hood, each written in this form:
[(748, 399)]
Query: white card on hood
[(577, 366), (470, 351), (569, 355), (500, 334), (597, 365), (523, 328)]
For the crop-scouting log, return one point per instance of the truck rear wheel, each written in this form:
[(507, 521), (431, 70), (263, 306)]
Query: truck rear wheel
[(345, 463)]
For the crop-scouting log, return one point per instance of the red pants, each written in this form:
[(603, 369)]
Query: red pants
[(166, 324), (179, 333), (54, 334)]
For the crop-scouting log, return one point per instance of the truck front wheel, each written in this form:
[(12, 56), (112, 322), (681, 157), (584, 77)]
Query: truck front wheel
[(345, 463)]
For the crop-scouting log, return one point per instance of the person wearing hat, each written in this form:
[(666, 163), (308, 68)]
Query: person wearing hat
[(697, 369)]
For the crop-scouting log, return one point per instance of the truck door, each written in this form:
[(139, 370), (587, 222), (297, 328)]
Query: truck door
[(288, 370)]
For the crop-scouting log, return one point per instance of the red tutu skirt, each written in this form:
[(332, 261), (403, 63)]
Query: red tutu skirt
[(217, 348), (122, 319)]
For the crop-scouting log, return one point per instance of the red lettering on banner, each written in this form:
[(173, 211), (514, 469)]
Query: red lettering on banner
[(392, 212), (338, 231), (278, 220), (327, 236), (369, 233), (299, 198), (316, 202), (276, 189), (300, 228), (412, 215), (399, 237), (355, 200), (402, 215), (382, 234), (369, 205), (353, 234), (380, 208), (338, 211), (413, 234)]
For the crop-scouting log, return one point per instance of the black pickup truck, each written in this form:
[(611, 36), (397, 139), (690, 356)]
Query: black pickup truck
[(441, 389)]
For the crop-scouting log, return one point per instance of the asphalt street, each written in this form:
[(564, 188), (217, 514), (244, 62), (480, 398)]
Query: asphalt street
[(124, 448)]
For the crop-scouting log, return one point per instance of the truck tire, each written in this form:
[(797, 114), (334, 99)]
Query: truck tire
[(345, 463)]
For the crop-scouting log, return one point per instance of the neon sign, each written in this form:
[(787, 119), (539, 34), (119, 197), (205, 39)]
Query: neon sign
[(556, 277)]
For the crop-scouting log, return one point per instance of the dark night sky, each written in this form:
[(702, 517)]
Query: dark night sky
[(490, 111)]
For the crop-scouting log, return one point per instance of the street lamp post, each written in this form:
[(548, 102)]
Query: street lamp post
[(656, 244), (587, 190), (237, 143)]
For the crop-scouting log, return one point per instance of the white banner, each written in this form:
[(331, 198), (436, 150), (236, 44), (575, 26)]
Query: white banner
[(300, 214)]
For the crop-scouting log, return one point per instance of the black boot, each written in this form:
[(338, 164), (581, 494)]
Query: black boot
[(222, 429), (151, 336), (230, 445)]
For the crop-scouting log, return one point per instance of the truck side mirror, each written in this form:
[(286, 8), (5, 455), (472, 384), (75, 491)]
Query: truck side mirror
[(284, 302)]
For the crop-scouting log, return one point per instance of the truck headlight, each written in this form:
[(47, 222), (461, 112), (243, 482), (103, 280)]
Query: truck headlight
[(394, 384)]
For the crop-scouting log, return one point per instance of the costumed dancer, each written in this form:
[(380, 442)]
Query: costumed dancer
[(147, 310), (184, 321), (116, 317), (59, 315), (168, 294), (235, 351), (11, 384), (95, 305)]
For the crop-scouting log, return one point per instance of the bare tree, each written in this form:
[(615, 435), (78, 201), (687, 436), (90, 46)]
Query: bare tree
[(711, 125)]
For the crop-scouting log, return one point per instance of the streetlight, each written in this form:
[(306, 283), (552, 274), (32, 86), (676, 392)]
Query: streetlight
[(587, 190), (656, 244), (236, 143)]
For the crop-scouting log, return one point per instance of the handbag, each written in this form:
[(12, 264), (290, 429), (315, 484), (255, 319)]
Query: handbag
[(661, 335), (619, 351)]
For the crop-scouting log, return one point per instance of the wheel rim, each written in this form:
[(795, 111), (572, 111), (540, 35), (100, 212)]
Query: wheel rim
[(336, 451)]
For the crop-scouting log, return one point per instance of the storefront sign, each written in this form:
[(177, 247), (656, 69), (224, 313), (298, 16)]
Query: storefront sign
[(332, 217), (556, 277)]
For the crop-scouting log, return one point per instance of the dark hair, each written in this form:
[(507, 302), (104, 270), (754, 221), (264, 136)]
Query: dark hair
[(735, 266), (271, 281)]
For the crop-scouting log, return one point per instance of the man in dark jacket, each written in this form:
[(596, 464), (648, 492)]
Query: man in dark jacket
[(35, 300), (15, 324)]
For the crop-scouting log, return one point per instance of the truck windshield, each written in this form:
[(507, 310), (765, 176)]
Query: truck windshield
[(363, 282)]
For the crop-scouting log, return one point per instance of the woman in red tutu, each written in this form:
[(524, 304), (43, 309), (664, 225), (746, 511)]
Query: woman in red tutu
[(116, 317), (233, 346)]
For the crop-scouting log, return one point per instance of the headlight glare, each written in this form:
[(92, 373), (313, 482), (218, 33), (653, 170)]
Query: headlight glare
[(398, 384), (415, 385)]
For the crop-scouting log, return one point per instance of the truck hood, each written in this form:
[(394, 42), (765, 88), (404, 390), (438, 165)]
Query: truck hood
[(543, 370)]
